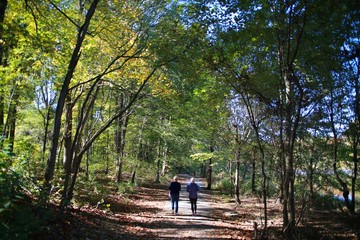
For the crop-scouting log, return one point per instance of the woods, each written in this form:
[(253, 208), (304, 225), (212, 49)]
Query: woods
[(261, 98)]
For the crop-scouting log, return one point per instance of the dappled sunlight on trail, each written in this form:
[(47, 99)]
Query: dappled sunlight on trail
[(146, 214)]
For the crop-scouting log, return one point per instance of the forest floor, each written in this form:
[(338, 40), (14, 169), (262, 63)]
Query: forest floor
[(146, 214)]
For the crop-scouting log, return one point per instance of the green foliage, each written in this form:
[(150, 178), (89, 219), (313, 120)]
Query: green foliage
[(186, 106), (202, 156), (19, 218), (92, 190), (125, 188), (224, 185)]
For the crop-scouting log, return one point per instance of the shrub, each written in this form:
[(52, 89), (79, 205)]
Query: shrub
[(18, 219)]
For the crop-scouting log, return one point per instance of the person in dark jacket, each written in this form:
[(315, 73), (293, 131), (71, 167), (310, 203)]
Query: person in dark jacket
[(192, 188), (174, 193)]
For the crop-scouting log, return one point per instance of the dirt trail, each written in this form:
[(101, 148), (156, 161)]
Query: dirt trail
[(206, 224), (146, 214)]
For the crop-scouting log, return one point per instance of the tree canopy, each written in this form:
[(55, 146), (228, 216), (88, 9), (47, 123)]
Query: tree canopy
[(257, 96)]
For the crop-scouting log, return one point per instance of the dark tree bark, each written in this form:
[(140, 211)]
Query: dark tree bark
[(237, 176), (49, 174), (10, 124), (291, 99), (253, 176), (355, 129), (335, 146), (209, 170), (12, 120)]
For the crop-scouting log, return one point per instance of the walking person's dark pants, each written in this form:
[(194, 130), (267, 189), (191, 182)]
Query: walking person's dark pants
[(175, 203), (193, 205)]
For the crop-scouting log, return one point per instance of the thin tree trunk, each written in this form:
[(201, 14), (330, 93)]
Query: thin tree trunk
[(209, 170), (163, 169), (255, 125), (355, 136), (68, 154), (3, 6), (46, 131), (335, 144), (253, 176), (237, 176), (231, 178), (237, 165), (12, 121), (9, 127), (311, 177), (157, 180), (140, 150), (119, 139)]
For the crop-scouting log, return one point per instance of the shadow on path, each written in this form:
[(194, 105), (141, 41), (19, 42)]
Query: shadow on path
[(200, 226)]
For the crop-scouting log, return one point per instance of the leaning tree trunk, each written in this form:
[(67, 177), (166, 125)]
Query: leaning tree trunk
[(80, 146), (255, 122), (12, 120), (50, 167)]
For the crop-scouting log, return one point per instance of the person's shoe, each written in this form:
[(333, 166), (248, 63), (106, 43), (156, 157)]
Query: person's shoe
[(173, 212)]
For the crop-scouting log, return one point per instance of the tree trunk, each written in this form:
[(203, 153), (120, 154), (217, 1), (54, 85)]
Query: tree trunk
[(3, 6), (49, 174), (12, 120), (231, 177), (335, 144), (255, 125), (311, 178), (237, 176), (163, 169), (209, 170), (237, 165), (253, 176), (46, 131), (355, 132), (288, 205), (158, 171), (120, 135), (140, 150), (9, 126), (68, 153)]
